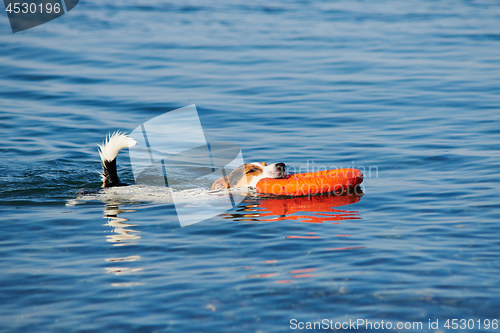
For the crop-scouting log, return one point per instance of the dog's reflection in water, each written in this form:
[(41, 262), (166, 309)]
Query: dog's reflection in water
[(123, 234), (312, 209)]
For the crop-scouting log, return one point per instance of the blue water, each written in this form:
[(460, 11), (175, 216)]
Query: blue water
[(406, 91)]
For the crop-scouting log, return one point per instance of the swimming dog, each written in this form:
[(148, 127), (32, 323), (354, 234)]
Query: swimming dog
[(246, 175)]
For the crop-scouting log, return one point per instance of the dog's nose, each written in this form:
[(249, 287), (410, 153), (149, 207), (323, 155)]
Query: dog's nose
[(280, 167)]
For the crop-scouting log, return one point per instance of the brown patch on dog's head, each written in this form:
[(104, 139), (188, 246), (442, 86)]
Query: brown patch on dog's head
[(239, 177), (219, 184)]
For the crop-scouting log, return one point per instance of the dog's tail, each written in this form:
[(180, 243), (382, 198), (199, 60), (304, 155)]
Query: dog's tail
[(108, 152)]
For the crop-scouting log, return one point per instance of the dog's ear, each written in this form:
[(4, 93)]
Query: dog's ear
[(220, 184), (263, 163)]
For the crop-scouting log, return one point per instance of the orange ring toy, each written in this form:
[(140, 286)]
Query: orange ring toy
[(308, 183)]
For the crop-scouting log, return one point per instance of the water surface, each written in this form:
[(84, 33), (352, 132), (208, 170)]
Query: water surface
[(407, 92)]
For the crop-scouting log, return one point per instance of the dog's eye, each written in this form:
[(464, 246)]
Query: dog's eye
[(251, 170)]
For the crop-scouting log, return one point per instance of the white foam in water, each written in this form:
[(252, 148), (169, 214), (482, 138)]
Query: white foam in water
[(149, 194), (191, 205)]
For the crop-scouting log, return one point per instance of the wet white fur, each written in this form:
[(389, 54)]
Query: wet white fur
[(113, 144)]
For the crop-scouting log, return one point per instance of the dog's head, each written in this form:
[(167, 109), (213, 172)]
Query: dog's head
[(248, 175)]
